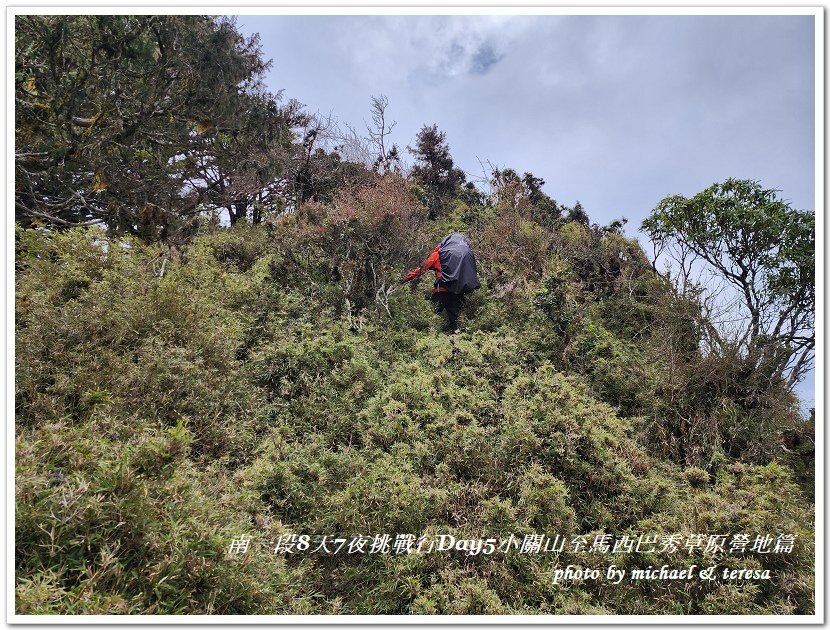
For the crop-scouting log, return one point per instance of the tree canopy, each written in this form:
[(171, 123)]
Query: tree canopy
[(765, 251), (142, 122), (435, 170)]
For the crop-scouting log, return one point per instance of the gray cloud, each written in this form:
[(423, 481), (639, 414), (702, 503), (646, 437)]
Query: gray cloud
[(616, 111), (484, 58)]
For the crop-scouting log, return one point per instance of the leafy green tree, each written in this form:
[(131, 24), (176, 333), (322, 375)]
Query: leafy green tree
[(533, 185), (508, 189), (616, 226), (764, 251), (471, 195), (120, 119), (578, 215), (524, 194), (246, 164), (435, 171)]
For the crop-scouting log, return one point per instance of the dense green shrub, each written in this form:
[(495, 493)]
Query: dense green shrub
[(103, 527), (168, 401)]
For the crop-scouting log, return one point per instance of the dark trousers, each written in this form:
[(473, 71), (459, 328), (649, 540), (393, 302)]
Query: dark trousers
[(451, 302)]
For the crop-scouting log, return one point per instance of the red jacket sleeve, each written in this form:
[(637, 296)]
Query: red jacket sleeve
[(433, 262)]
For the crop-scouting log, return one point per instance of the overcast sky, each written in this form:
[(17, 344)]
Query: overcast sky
[(614, 111)]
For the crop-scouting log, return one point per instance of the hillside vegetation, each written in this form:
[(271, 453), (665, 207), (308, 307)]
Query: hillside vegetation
[(181, 382)]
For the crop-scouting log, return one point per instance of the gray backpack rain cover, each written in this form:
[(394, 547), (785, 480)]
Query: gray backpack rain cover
[(458, 265)]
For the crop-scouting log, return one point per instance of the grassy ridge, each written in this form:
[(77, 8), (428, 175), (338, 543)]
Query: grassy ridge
[(165, 404)]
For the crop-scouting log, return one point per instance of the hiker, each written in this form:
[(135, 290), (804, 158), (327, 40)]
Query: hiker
[(455, 276)]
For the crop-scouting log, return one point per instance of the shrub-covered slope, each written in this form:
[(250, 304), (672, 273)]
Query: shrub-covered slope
[(270, 380)]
